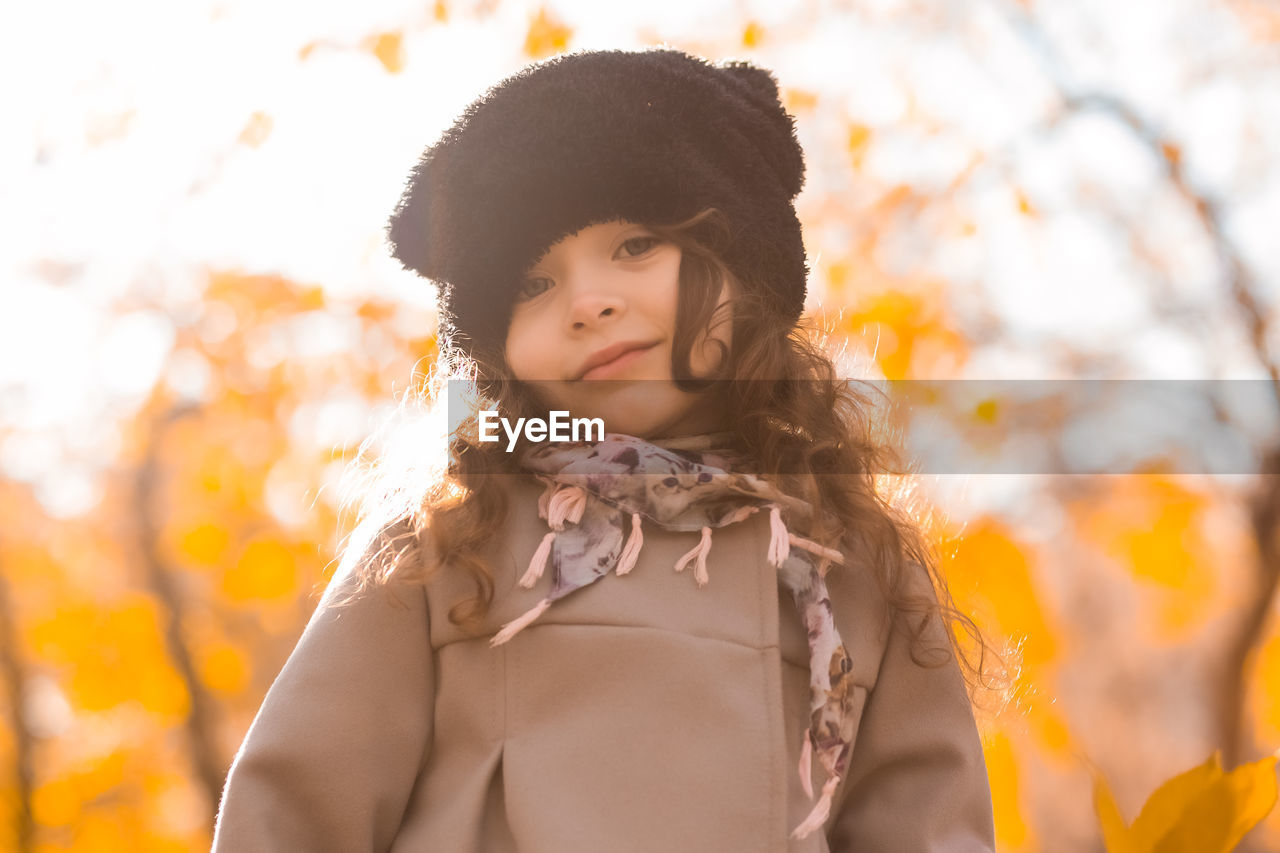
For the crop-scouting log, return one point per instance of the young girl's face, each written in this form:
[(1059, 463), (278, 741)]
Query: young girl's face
[(613, 285)]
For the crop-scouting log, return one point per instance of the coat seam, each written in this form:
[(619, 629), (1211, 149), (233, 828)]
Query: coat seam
[(776, 716)]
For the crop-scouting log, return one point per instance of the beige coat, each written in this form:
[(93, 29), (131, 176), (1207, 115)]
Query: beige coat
[(640, 713)]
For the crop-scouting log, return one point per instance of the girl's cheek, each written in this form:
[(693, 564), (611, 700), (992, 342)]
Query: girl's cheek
[(518, 346)]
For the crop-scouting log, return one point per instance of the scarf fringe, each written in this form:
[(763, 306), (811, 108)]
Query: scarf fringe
[(513, 627), (779, 540), (821, 810), (806, 765), (814, 548), (700, 552), (539, 561), (566, 505), (631, 551), (557, 504), (545, 497)]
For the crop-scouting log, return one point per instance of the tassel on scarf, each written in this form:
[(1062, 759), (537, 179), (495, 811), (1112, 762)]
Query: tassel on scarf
[(513, 627), (631, 551), (700, 568), (806, 765), (779, 543), (821, 810), (699, 551), (739, 514), (539, 561), (824, 567), (545, 497), (781, 540), (557, 505), (814, 548), (566, 505)]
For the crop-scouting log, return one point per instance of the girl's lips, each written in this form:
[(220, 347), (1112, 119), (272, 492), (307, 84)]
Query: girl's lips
[(603, 371)]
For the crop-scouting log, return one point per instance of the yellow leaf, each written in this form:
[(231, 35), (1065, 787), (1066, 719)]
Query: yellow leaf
[(987, 411), (838, 275), (752, 34), (389, 49), (441, 11), (256, 130), (1155, 526), (205, 544), (64, 799), (103, 775), (1024, 204), (55, 803), (996, 566), (378, 312), (859, 136), (105, 831), (1115, 835), (546, 36), (1159, 552), (1171, 800), (1254, 792), (132, 662), (893, 321), (1224, 811), (224, 669), (267, 569), (1050, 728), (311, 298), (1267, 680), (67, 635), (798, 100), (1002, 768)]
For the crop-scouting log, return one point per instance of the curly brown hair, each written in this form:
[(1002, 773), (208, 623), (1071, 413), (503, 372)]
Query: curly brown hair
[(791, 412)]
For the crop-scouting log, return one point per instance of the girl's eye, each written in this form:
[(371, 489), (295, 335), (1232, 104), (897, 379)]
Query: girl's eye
[(643, 244), (531, 287)]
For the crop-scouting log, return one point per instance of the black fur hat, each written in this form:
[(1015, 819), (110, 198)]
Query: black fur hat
[(652, 136)]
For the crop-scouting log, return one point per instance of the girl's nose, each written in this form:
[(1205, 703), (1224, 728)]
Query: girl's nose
[(592, 307)]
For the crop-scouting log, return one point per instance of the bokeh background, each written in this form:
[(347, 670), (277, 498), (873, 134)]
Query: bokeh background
[(200, 324)]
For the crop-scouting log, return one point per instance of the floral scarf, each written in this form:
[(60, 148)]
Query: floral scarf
[(593, 488)]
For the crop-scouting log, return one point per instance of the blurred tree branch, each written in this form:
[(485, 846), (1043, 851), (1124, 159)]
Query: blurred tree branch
[(1242, 286), (200, 723), (23, 743)]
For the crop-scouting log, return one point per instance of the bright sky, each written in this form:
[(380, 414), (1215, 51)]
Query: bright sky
[(121, 173)]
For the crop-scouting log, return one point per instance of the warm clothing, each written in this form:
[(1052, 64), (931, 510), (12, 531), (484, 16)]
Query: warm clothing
[(652, 136), (641, 713), (595, 487)]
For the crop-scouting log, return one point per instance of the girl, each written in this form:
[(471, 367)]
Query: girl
[(701, 631)]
